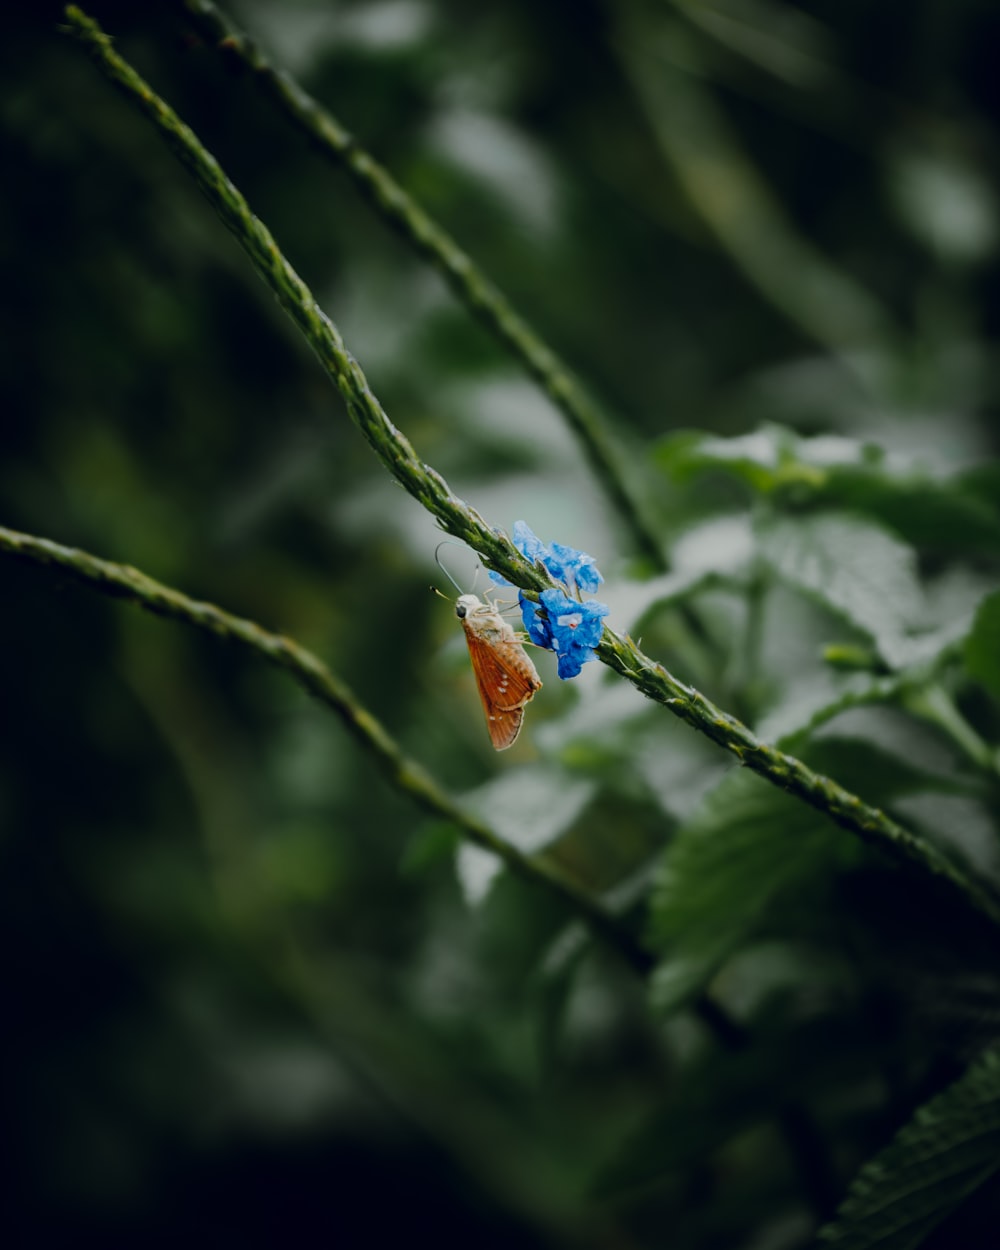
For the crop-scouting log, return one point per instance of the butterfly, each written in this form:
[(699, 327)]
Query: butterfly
[(505, 675)]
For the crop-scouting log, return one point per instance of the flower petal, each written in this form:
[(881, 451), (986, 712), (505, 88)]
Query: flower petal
[(573, 567), (529, 544), (570, 662), (537, 626)]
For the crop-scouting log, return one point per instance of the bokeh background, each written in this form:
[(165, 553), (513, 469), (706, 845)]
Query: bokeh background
[(247, 994)]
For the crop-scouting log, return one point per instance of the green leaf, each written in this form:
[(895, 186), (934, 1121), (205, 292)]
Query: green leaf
[(949, 1148), (528, 807), (853, 567), (717, 552), (928, 505), (982, 647), (746, 844), (762, 459)]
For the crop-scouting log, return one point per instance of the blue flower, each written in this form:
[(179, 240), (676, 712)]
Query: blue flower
[(536, 623), (575, 629), (573, 568), (530, 546), (570, 627)]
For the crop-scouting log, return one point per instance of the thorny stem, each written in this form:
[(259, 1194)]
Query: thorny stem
[(124, 582), (457, 518), (389, 444), (468, 282), (785, 771)]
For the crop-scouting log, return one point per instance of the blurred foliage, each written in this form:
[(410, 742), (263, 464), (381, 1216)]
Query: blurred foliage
[(251, 994)]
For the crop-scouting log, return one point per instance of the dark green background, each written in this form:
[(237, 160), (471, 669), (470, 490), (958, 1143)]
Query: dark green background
[(244, 1000)]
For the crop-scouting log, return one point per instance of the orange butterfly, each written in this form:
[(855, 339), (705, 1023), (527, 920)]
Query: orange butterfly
[(505, 675)]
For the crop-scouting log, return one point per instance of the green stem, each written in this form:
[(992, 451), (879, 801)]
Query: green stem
[(472, 287), (932, 703), (457, 518), (844, 808), (123, 582), (902, 688), (390, 445)]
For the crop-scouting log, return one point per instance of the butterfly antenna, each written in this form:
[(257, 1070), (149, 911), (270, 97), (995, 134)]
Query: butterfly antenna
[(437, 561)]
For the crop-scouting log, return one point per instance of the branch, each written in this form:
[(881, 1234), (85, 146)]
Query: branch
[(788, 773), (457, 518), (389, 444), (473, 288), (121, 581)]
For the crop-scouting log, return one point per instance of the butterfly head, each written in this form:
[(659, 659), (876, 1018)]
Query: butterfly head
[(467, 605)]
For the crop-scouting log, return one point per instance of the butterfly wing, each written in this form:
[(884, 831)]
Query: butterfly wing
[(506, 679)]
